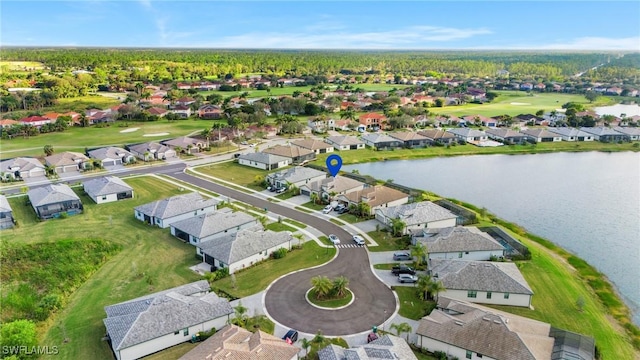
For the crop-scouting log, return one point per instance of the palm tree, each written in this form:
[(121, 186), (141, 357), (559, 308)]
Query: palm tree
[(206, 133), (340, 285), (402, 328), (314, 197), (397, 226), (322, 286), (241, 314), (348, 114), (419, 252), (423, 285), (306, 344), (48, 150), (435, 288)]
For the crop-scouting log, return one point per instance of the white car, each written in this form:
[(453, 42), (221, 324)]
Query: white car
[(334, 239), (407, 278), (359, 240), (327, 209)]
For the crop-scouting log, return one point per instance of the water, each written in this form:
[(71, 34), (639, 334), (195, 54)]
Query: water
[(617, 110), (588, 203)]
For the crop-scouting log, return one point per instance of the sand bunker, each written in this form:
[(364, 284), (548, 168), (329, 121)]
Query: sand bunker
[(156, 134), (129, 130), (519, 103)]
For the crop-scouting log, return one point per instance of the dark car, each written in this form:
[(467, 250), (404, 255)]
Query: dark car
[(236, 155), (291, 336), (341, 209), (402, 269)]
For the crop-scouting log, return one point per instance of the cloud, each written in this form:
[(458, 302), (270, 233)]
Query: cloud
[(582, 43)]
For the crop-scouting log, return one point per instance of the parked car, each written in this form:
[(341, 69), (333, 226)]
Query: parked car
[(272, 188), (359, 240), (281, 190), (334, 239), (407, 278), (343, 210), (338, 207), (236, 155), (327, 209), (244, 143), (291, 336), (402, 269), (401, 256)]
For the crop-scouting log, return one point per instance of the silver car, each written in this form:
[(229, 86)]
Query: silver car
[(334, 239), (359, 240), (407, 278)]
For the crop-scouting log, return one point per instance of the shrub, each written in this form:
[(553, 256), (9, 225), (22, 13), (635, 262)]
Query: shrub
[(279, 254)]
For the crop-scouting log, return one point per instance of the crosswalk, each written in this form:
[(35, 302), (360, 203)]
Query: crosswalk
[(344, 246)]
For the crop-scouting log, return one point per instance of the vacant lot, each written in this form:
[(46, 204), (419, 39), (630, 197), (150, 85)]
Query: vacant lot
[(238, 174)]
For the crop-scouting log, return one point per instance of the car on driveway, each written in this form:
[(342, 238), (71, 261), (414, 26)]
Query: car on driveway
[(291, 336), (334, 239), (407, 278), (402, 269), (359, 240), (342, 210), (327, 209), (401, 255), (281, 190)]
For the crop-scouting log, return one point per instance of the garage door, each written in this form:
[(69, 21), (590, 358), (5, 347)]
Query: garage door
[(69, 168), (305, 192)]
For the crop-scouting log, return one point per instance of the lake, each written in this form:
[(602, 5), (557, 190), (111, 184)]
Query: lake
[(617, 110), (588, 203)]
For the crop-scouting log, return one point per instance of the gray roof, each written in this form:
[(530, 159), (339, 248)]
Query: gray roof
[(4, 205), (486, 331), (335, 184), (51, 194), (387, 347), (296, 174), (263, 158), (456, 239), (480, 276), (466, 132), (24, 163), (504, 133), (344, 140), (436, 134), (176, 205), (184, 141), (110, 152), (379, 138), (152, 147), (539, 133), (139, 320), (105, 186), (567, 131), (288, 151), (205, 225), (600, 131), (417, 213), (238, 246), (631, 131)]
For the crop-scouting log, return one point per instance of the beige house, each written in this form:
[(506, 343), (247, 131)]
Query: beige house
[(376, 197), (317, 146), (66, 161)]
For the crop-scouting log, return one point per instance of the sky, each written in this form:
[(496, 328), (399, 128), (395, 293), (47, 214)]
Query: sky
[(393, 25)]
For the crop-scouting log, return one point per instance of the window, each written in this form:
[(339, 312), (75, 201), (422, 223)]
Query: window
[(479, 356), (469, 354), (185, 332), (488, 294), (506, 295), (472, 294), (460, 254), (104, 198), (176, 332)]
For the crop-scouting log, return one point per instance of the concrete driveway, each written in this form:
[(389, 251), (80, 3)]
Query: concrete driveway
[(37, 180), (368, 226), (383, 257), (298, 200)]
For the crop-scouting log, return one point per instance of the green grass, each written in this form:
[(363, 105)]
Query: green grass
[(386, 242), (385, 266), (286, 195), (411, 306), (236, 173), (289, 90), (350, 218), (278, 226), (296, 223), (325, 240), (257, 278), (312, 206), (331, 302), (305, 210), (173, 352)]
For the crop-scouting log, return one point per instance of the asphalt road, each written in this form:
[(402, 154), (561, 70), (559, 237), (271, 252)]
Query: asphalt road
[(285, 300)]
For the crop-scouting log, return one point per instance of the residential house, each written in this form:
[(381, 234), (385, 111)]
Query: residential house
[(506, 136), (481, 120), (606, 134), (97, 116), (411, 139), (342, 124), (317, 146), (67, 161), (526, 87), (381, 141), (35, 121), (327, 189), (484, 282), (263, 161), (6, 214), (469, 331), (469, 135), (457, 242), (385, 347), (167, 211), (111, 156), (438, 136), (209, 111), (295, 176), (185, 101), (244, 248), (159, 112), (345, 142), (21, 168), (152, 151), (206, 227), (571, 134), (417, 216), (373, 121), (233, 342), (632, 132), (148, 324), (186, 144), (374, 197), (107, 189), (182, 111), (7, 123), (54, 200), (295, 154), (541, 135), (318, 124)]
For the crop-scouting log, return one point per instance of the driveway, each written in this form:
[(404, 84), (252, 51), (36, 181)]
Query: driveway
[(69, 175), (298, 200), (37, 180), (368, 226)]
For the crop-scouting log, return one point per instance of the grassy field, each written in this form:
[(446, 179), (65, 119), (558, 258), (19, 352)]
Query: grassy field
[(21, 65), (238, 174), (411, 306), (386, 242), (289, 90), (151, 260)]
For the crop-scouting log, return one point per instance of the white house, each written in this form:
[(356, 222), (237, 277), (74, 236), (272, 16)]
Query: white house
[(66, 161), (469, 135), (463, 243), (317, 146), (296, 176), (345, 142), (263, 161), (107, 189), (148, 324), (415, 216), (484, 282), (541, 135), (21, 168), (206, 227), (244, 248), (152, 151), (571, 134), (167, 211), (633, 132), (385, 347), (330, 187)]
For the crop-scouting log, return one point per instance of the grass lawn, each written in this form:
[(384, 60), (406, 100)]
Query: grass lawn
[(386, 242), (325, 240), (311, 205), (289, 90), (296, 223), (279, 226), (151, 260), (329, 303), (238, 174), (257, 278), (411, 306), (173, 352), (350, 218)]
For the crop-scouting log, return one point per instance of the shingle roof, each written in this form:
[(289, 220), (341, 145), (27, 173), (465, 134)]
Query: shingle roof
[(379, 138), (235, 343), (184, 141), (480, 276), (24, 163), (566, 131), (488, 332), (152, 147), (105, 186), (312, 144), (139, 320), (631, 131), (205, 225), (296, 174), (466, 132), (335, 184), (436, 134), (456, 239), (600, 131), (387, 347), (4, 205), (65, 158), (504, 133), (51, 194), (110, 152), (288, 151), (407, 136), (344, 140), (238, 246), (376, 195), (263, 158), (539, 133), (417, 213), (176, 205)]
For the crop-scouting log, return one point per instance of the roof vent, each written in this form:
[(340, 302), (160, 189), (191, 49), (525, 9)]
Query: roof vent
[(496, 321), (459, 323), (486, 318)]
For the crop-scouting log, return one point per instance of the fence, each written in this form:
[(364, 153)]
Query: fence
[(465, 217)]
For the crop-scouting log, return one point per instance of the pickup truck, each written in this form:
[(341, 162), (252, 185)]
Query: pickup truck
[(402, 269)]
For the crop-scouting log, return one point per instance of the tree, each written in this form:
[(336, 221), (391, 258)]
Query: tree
[(241, 314), (348, 114), (422, 285), (419, 252), (435, 287), (48, 150), (314, 197), (591, 96), (340, 285), (18, 333), (439, 102), (402, 328), (322, 286), (491, 95), (397, 226), (306, 344)]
